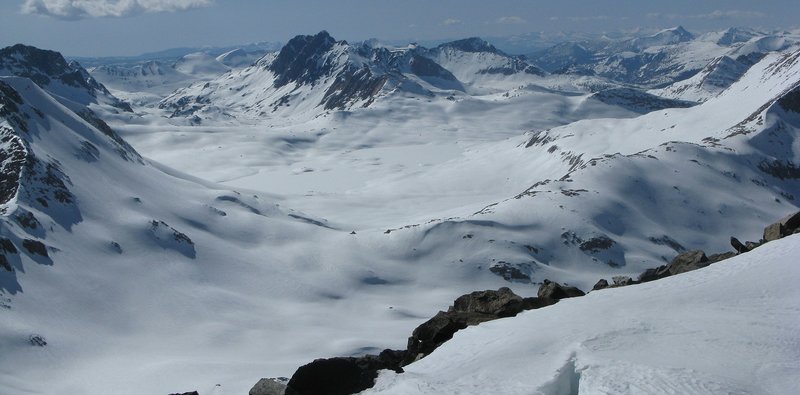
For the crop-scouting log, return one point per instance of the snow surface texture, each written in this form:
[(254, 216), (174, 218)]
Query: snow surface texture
[(161, 282), (730, 328)]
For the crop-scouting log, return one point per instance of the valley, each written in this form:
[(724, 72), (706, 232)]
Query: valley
[(204, 221)]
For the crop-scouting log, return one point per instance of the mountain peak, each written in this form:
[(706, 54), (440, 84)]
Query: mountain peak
[(472, 44), (299, 56), (678, 32)]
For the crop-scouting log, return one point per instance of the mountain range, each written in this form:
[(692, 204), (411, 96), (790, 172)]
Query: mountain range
[(214, 219)]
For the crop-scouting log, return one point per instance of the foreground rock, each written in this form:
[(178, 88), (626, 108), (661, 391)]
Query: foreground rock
[(343, 375), (688, 261), (552, 290), (467, 310), (350, 375), (788, 225), (268, 387)]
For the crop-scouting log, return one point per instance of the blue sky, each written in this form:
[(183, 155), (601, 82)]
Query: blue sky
[(130, 27)]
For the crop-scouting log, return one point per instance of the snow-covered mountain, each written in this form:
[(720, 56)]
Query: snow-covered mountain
[(51, 71), (425, 173), (481, 66), (312, 74), (661, 59)]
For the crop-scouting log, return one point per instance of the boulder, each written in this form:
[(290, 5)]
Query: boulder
[(601, 284), (537, 303), (268, 387), (439, 329), (738, 246), (655, 273), (786, 226), (714, 258), (553, 290), (688, 261), (501, 303), (343, 375)]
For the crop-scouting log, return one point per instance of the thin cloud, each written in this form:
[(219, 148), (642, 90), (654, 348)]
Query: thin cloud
[(510, 20), (82, 9), (716, 14), (451, 22)]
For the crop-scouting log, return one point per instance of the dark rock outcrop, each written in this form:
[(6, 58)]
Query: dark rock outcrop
[(35, 247), (553, 290), (343, 375), (738, 246)]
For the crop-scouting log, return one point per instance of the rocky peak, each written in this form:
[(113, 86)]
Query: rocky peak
[(44, 67), (299, 60), (472, 44)]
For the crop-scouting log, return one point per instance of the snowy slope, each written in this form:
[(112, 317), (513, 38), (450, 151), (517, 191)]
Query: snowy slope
[(614, 194), (218, 267), (728, 328)]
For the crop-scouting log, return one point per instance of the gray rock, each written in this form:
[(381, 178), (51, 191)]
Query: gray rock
[(655, 273), (601, 284), (553, 290), (688, 261), (738, 246), (786, 226), (269, 386), (501, 303), (621, 281), (714, 258)]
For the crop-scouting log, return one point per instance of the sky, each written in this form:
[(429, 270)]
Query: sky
[(132, 27)]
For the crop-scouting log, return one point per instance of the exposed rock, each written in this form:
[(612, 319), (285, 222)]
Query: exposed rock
[(601, 284), (4, 264), (439, 329), (341, 376), (35, 247), (268, 387), (772, 232), (537, 303), (714, 258), (688, 261), (37, 340), (186, 393), (652, 274), (738, 246), (502, 303), (8, 246), (553, 290), (621, 281), (786, 226), (509, 272)]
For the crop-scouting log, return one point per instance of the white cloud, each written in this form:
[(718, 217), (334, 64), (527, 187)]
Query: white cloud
[(451, 21), (510, 20), (80, 9)]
